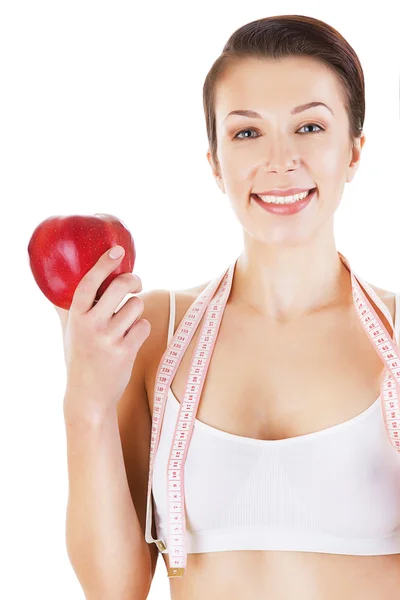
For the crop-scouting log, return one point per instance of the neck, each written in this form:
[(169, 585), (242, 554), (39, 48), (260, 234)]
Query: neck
[(290, 282)]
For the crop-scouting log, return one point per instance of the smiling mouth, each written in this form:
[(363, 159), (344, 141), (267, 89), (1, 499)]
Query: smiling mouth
[(283, 199)]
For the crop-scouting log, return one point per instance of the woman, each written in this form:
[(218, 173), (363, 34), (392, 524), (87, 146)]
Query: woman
[(284, 480), (292, 488)]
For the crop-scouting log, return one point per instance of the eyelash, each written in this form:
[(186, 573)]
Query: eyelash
[(250, 129)]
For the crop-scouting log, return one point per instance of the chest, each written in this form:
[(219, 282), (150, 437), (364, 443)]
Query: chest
[(272, 382)]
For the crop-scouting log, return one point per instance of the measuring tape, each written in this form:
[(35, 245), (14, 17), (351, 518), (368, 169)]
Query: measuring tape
[(220, 287)]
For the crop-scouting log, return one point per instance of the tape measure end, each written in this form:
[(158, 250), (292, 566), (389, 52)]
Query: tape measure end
[(176, 572)]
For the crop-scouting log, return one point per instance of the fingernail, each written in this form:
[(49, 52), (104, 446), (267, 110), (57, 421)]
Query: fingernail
[(116, 252)]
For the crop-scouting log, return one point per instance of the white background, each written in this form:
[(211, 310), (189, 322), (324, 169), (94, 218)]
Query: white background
[(101, 111)]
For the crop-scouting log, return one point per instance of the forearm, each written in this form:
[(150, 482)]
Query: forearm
[(105, 542)]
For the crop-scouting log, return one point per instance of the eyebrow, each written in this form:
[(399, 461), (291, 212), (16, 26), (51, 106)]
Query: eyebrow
[(255, 115)]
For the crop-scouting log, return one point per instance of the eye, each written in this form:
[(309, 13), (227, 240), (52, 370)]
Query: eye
[(312, 125), (243, 131), (237, 136)]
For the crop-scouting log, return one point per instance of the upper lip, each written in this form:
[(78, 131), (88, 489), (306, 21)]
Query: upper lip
[(288, 192)]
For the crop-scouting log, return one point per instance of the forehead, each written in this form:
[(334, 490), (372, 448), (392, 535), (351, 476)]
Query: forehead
[(274, 85)]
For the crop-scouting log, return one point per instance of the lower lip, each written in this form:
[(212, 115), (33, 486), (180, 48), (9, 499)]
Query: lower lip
[(285, 209)]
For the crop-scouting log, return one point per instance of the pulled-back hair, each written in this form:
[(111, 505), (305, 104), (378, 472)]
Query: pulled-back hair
[(290, 35)]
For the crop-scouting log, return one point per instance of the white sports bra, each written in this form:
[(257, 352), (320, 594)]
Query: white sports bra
[(335, 491)]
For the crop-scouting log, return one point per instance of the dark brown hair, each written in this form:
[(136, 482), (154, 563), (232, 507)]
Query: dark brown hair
[(288, 35)]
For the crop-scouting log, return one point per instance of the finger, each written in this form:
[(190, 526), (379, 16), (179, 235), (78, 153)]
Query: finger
[(87, 288), (114, 295), (137, 335), (126, 316)]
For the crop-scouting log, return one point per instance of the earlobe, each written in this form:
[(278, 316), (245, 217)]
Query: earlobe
[(220, 184), (355, 156), (215, 172), (211, 162)]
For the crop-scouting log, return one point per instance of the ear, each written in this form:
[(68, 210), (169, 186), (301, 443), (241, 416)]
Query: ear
[(355, 156), (216, 172)]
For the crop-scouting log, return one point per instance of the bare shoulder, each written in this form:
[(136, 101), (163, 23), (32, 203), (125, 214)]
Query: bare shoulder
[(157, 312), (157, 309), (387, 297), (382, 293)]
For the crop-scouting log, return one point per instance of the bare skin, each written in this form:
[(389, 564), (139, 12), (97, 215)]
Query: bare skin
[(288, 281), (268, 574)]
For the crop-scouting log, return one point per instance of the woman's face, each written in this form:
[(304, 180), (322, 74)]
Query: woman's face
[(282, 150)]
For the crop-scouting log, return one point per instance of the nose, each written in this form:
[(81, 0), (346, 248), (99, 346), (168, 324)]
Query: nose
[(281, 156)]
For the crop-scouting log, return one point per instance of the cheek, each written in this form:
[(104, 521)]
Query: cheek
[(327, 157), (237, 168), (331, 163)]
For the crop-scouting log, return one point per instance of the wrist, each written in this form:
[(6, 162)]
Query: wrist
[(79, 410)]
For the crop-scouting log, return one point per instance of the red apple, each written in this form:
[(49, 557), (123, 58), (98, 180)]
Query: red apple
[(63, 249)]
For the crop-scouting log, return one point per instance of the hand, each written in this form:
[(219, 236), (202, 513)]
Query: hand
[(100, 345)]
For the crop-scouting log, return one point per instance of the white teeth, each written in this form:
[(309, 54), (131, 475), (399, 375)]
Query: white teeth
[(283, 199)]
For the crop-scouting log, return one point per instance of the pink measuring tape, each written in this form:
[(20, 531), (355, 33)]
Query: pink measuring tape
[(384, 345)]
